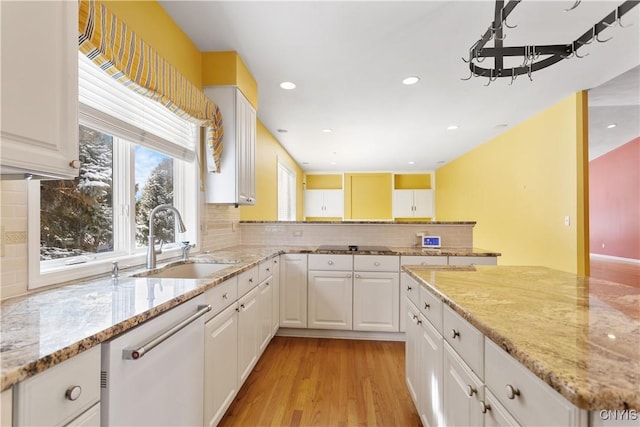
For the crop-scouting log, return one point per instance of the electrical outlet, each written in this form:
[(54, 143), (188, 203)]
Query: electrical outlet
[(297, 233), (567, 220)]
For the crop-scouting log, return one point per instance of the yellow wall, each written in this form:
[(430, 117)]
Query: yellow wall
[(150, 22), (228, 69), (368, 196), (412, 181), (268, 151), (520, 186), (323, 182)]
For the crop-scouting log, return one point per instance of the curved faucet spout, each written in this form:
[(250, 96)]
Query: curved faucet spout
[(151, 250)]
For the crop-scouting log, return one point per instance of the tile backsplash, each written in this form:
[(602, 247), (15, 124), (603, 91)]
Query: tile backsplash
[(13, 238), (459, 236)]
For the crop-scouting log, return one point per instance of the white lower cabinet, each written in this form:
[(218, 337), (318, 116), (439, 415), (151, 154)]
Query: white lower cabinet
[(248, 334), (376, 301), (463, 392), (220, 364), (275, 307), (430, 371), (330, 300), (412, 354), (265, 304), (293, 291), (495, 415), (65, 394)]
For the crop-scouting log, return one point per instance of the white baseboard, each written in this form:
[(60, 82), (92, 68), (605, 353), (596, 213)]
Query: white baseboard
[(351, 335), (615, 258)]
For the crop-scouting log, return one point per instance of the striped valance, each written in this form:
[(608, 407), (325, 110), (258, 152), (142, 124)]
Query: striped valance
[(109, 43)]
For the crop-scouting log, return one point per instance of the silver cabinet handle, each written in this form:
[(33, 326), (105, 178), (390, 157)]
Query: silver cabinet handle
[(251, 280), (377, 263), (471, 390), (454, 334), (357, 276), (484, 407), (137, 353), (268, 269), (427, 306), (409, 288), (225, 296), (73, 392), (330, 262), (512, 392), (348, 276)]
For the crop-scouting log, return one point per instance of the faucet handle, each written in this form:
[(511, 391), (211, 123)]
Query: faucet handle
[(187, 244), (159, 250)]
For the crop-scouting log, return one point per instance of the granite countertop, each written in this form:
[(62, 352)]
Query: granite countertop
[(44, 328), (347, 222), (578, 334)]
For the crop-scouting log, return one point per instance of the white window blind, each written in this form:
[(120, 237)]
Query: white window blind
[(137, 118), (286, 193)]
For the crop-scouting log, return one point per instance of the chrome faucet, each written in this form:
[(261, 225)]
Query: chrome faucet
[(151, 249), (186, 247)]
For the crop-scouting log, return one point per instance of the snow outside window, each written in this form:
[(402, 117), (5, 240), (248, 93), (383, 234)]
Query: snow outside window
[(286, 193)]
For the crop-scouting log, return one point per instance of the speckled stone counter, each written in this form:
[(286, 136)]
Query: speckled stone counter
[(42, 329), (580, 335)]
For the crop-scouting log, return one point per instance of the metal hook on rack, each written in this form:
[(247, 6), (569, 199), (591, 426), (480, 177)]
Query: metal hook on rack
[(602, 41), (574, 6), (491, 78), (476, 57), (470, 75), (504, 20), (513, 76), (529, 72), (619, 20), (494, 33), (533, 54), (571, 55), (576, 52)]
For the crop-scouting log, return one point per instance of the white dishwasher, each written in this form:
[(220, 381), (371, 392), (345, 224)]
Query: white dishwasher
[(153, 374)]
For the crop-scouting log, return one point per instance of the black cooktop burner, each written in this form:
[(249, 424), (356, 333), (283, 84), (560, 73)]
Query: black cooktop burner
[(354, 248)]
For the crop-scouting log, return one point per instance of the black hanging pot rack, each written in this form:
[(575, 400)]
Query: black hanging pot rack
[(531, 54)]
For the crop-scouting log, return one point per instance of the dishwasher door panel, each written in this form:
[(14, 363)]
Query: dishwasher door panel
[(164, 387)]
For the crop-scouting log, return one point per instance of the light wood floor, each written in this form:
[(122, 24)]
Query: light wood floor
[(627, 273), (325, 382)]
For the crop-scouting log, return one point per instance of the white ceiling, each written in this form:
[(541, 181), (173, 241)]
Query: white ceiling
[(348, 60)]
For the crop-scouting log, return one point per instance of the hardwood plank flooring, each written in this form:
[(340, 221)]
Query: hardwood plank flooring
[(627, 273), (325, 382)]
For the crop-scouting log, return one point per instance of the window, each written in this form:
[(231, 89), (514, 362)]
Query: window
[(286, 193), (135, 154)]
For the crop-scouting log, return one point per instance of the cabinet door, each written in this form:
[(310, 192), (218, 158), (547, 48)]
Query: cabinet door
[(463, 392), (248, 330), (275, 308), (496, 415), (314, 203), (334, 203), (403, 204), (265, 301), (430, 375), (376, 302), (423, 203), (90, 418), (330, 300), (247, 170), (220, 364), (293, 291), (39, 89), (412, 353)]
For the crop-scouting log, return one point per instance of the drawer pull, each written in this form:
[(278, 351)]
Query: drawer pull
[(251, 280), (484, 407), (512, 392), (471, 390), (427, 306), (454, 334), (357, 276), (377, 263), (268, 269), (409, 288), (73, 392), (348, 276), (225, 296), (330, 262)]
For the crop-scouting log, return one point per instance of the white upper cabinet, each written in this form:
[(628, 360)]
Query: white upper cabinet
[(39, 89), (413, 204), (235, 183), (324, 203)]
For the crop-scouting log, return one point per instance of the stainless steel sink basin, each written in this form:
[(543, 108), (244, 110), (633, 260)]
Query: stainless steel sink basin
[(189, 270)]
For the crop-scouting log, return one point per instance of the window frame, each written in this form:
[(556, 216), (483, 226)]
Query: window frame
[(186, 200), (291, 190)]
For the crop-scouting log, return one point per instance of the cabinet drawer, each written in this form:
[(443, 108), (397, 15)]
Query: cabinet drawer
[(423, 260), (42, 399), (331, 262), (524, 394), (265, 270), (496, 415), (248, 280), (221, 296), (376, 263), (473, 260), (410, 288), (465, 339), (431, 307)]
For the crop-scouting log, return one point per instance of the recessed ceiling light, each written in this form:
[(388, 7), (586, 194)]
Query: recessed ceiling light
[(288, 85), (282, 130), (452, 127), (441, 162), (412, 162), (410, 80), (501, 125), (327, 130), (305, 163), (611, 126)]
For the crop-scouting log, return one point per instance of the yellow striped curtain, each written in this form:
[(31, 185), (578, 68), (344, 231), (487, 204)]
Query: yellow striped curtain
[(110, 44)]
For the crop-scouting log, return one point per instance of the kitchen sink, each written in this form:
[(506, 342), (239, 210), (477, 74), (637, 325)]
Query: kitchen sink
[(189, 270)]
